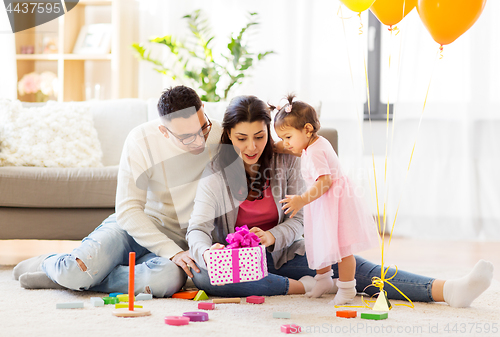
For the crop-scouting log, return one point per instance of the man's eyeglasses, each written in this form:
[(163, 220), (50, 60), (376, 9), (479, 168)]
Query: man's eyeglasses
[(190, 138)]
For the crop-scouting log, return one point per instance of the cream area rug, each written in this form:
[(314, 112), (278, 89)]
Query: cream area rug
[(33, 313)]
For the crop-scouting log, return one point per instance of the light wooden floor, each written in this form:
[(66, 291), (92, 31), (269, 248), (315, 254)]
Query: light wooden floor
[(405, 253)]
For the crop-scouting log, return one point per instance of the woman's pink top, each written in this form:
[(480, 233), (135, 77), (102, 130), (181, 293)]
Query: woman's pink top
[(258, 213)]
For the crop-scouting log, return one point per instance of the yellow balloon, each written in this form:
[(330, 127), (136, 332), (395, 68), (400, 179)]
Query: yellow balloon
[(358, 5)]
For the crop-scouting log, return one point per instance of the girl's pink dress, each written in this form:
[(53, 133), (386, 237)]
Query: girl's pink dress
[(338, 223)]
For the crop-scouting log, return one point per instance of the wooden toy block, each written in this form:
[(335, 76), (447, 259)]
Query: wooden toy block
[(97, 301), (143, 297), (347, 313), (291, 328), (176, 320), (281, 315), (125, 305), (196, 316), (206, 306), (71, 305), (111, 300), (123, 298), (125, 312), (187, 295), (115, 294), (227, 300), (255, 299), (374, 315), (201, 296)]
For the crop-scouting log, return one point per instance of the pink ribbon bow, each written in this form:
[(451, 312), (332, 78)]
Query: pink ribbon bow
[(242, 238)]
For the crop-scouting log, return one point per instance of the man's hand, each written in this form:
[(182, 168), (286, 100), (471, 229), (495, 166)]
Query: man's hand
[(292, 203), (266, 238), (185, 261)]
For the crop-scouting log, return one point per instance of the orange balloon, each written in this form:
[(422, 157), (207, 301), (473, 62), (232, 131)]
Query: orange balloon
[(358, 6), (446, 20), (390, 12)]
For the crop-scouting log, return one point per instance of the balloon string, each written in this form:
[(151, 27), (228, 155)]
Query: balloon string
[(416, 138), (339, 14), (394, 29), (360, 24), (441, 52)]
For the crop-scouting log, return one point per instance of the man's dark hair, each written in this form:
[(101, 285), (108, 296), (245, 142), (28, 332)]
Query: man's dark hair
[(178, 98)]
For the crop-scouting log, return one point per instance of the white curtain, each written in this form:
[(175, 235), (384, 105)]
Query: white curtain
[(8, 67), (453, 186), (311, 59)]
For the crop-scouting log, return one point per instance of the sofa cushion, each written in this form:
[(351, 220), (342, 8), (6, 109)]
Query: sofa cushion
[(58, 187), (113, 120)]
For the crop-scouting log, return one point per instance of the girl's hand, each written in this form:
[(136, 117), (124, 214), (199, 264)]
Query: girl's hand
[(292, 203), (266, 237)]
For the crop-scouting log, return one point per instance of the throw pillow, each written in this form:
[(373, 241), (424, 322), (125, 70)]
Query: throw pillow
[(54, 135)]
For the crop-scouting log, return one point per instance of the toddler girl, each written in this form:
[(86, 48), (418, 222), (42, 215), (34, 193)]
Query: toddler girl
[(337, 223)]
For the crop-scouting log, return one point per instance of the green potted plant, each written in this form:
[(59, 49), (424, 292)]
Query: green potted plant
[(193, 59)]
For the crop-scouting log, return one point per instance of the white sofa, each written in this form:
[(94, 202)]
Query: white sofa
[(68, 203)]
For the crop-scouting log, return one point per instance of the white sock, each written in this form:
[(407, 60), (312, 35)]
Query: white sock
[(460, 293), (29, 266), (345, 293), (308, 282), (38, 280), (323, 284)]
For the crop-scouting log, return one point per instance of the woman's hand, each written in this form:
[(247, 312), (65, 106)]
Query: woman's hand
[(185, 261), (214, 246), (292, 203), (266, 238)]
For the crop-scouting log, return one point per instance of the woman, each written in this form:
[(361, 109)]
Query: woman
[(243, 186)]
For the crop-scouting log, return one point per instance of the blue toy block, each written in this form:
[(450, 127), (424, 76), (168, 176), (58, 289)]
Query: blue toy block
[(115, 294), (281, 315), (72, 305), (143, 297), (97, 301)]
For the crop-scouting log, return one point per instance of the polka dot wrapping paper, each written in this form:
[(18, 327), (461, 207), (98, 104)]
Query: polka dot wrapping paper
[(237, 265)]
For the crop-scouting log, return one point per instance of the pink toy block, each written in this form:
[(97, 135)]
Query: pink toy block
[(255, 299), (206, 306)]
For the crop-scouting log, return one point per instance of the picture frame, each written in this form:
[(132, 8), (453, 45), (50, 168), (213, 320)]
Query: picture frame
[(94, 39)]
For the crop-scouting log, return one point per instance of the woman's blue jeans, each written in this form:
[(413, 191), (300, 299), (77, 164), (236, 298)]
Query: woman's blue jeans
[(416, 287), (105, 253)]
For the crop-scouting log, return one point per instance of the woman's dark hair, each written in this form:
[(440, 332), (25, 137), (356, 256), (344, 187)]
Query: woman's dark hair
[(244, 109), (178, 98), (300, 114)]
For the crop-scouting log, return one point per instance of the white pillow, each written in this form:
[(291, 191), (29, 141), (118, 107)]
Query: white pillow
[(54, 135)]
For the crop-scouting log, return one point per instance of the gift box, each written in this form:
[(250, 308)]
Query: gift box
[(243, 260)]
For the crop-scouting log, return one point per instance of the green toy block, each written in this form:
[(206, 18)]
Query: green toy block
[(110, 300), (200, 296), (374, 315), (281, 315)]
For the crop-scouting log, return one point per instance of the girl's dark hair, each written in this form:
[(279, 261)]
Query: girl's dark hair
[(244, 109), (300, 114)]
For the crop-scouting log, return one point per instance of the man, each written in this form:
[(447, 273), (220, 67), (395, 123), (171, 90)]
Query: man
[(161, 163)]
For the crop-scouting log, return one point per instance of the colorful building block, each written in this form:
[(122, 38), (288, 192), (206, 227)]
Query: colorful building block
[(347, 313), (115, 294), (143, 297), (97, 301), (125, 305), (281, 315), (255, 299), (374, 315), (176, 320), (111, 300), (291, 328), (187, 295), (227, 300), (123, 297), (71, 305), (206, 306), (196, 316), (201, 296)]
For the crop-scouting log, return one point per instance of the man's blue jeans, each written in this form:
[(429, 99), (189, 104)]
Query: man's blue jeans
[(416, 287), (105, 253)]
